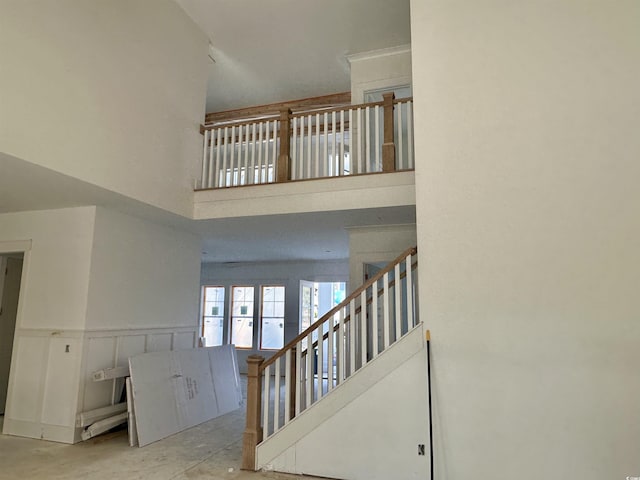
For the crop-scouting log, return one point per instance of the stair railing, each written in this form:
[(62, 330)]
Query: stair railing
[(323, 356), (320, 143)]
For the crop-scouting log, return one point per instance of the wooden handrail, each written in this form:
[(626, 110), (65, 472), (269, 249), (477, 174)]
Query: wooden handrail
[(334, 310), (346, 319), (275, 115), (402, 100)]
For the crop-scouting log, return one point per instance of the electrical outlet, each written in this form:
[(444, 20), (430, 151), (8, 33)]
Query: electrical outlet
[(421, 449)]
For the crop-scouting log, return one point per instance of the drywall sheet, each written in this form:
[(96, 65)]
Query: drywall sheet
[(176, 390)]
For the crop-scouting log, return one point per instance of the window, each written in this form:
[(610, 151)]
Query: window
[(242, 317), (213, 315), (272, 318)]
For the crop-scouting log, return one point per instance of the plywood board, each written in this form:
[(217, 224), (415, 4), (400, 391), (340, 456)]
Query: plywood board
[(176, 390)]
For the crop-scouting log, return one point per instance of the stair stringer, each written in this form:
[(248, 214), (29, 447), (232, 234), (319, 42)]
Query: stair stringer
[(369, 427)]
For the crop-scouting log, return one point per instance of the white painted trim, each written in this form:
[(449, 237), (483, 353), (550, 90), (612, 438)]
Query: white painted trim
[(322, 195), (14, 246), (104, 425), (382, 52), (110, 373), (104, 332), (84, 419)]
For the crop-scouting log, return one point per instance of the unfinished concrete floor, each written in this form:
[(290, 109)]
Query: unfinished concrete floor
[(212, 450)]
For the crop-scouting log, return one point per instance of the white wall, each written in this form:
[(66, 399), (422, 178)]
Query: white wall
[(143, 296), (367, 428), (379, 69), (55, 291), (288, 274), (98, 286), (45, 364), (108, 92), (376, 244), (526, 117), (142, 274)]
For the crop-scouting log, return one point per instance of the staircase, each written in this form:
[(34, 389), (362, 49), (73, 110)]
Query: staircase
[(325, 362)]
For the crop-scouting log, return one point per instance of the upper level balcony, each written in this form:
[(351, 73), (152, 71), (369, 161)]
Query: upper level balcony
[(315, 156)]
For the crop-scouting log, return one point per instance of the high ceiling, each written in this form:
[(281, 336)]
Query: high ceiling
[(269, 51), (266, 51)]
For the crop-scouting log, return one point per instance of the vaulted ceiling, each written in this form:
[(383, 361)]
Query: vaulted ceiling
[(270, 51)]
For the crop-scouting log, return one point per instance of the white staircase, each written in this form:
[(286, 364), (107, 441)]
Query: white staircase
[(347, 398)]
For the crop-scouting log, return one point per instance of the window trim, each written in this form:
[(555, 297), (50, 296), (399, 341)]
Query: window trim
[(253, 316), (202, 309), (261, 316)]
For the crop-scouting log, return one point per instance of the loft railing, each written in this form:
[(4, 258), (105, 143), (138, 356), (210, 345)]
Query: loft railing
[(353, 140), (327, 353)]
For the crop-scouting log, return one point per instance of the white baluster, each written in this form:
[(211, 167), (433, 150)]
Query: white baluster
[(367, 120), (409, 287), (400, 142), (225, 181), (320, 366), (267, 133), (325, 154), (334, 137), (341, 355), (352, 167), (265, 402), (294, 150), (377, 144), (203, 183), (232, 159), (298, 377), (385, 309), (363, 327), (352, 337), (398, 301), (309, 376), (287, 386), (301, 154), (241, 156), (309, 146), (211, 171), (409, 135), (317, 152), (252, 175), (341, 161), (276, 400), (374, 318), (216, 180), (274, 151), (359, 139), (330, 349)]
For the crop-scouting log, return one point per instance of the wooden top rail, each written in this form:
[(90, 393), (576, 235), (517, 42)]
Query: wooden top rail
[(275, 115), (343, 108), (402, 100), (334, 310)]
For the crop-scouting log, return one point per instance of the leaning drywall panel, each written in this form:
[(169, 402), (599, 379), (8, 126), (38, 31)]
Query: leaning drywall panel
[(226, 380), (176, 390)]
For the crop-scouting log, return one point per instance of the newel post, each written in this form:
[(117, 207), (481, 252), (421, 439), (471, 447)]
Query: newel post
[(253, 431), (388, 147), (283, 170)]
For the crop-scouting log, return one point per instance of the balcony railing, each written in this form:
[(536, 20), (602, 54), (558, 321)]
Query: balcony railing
[(358, 139)]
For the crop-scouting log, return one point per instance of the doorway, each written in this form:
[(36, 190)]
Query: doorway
[(10, 279), (316, 299)]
